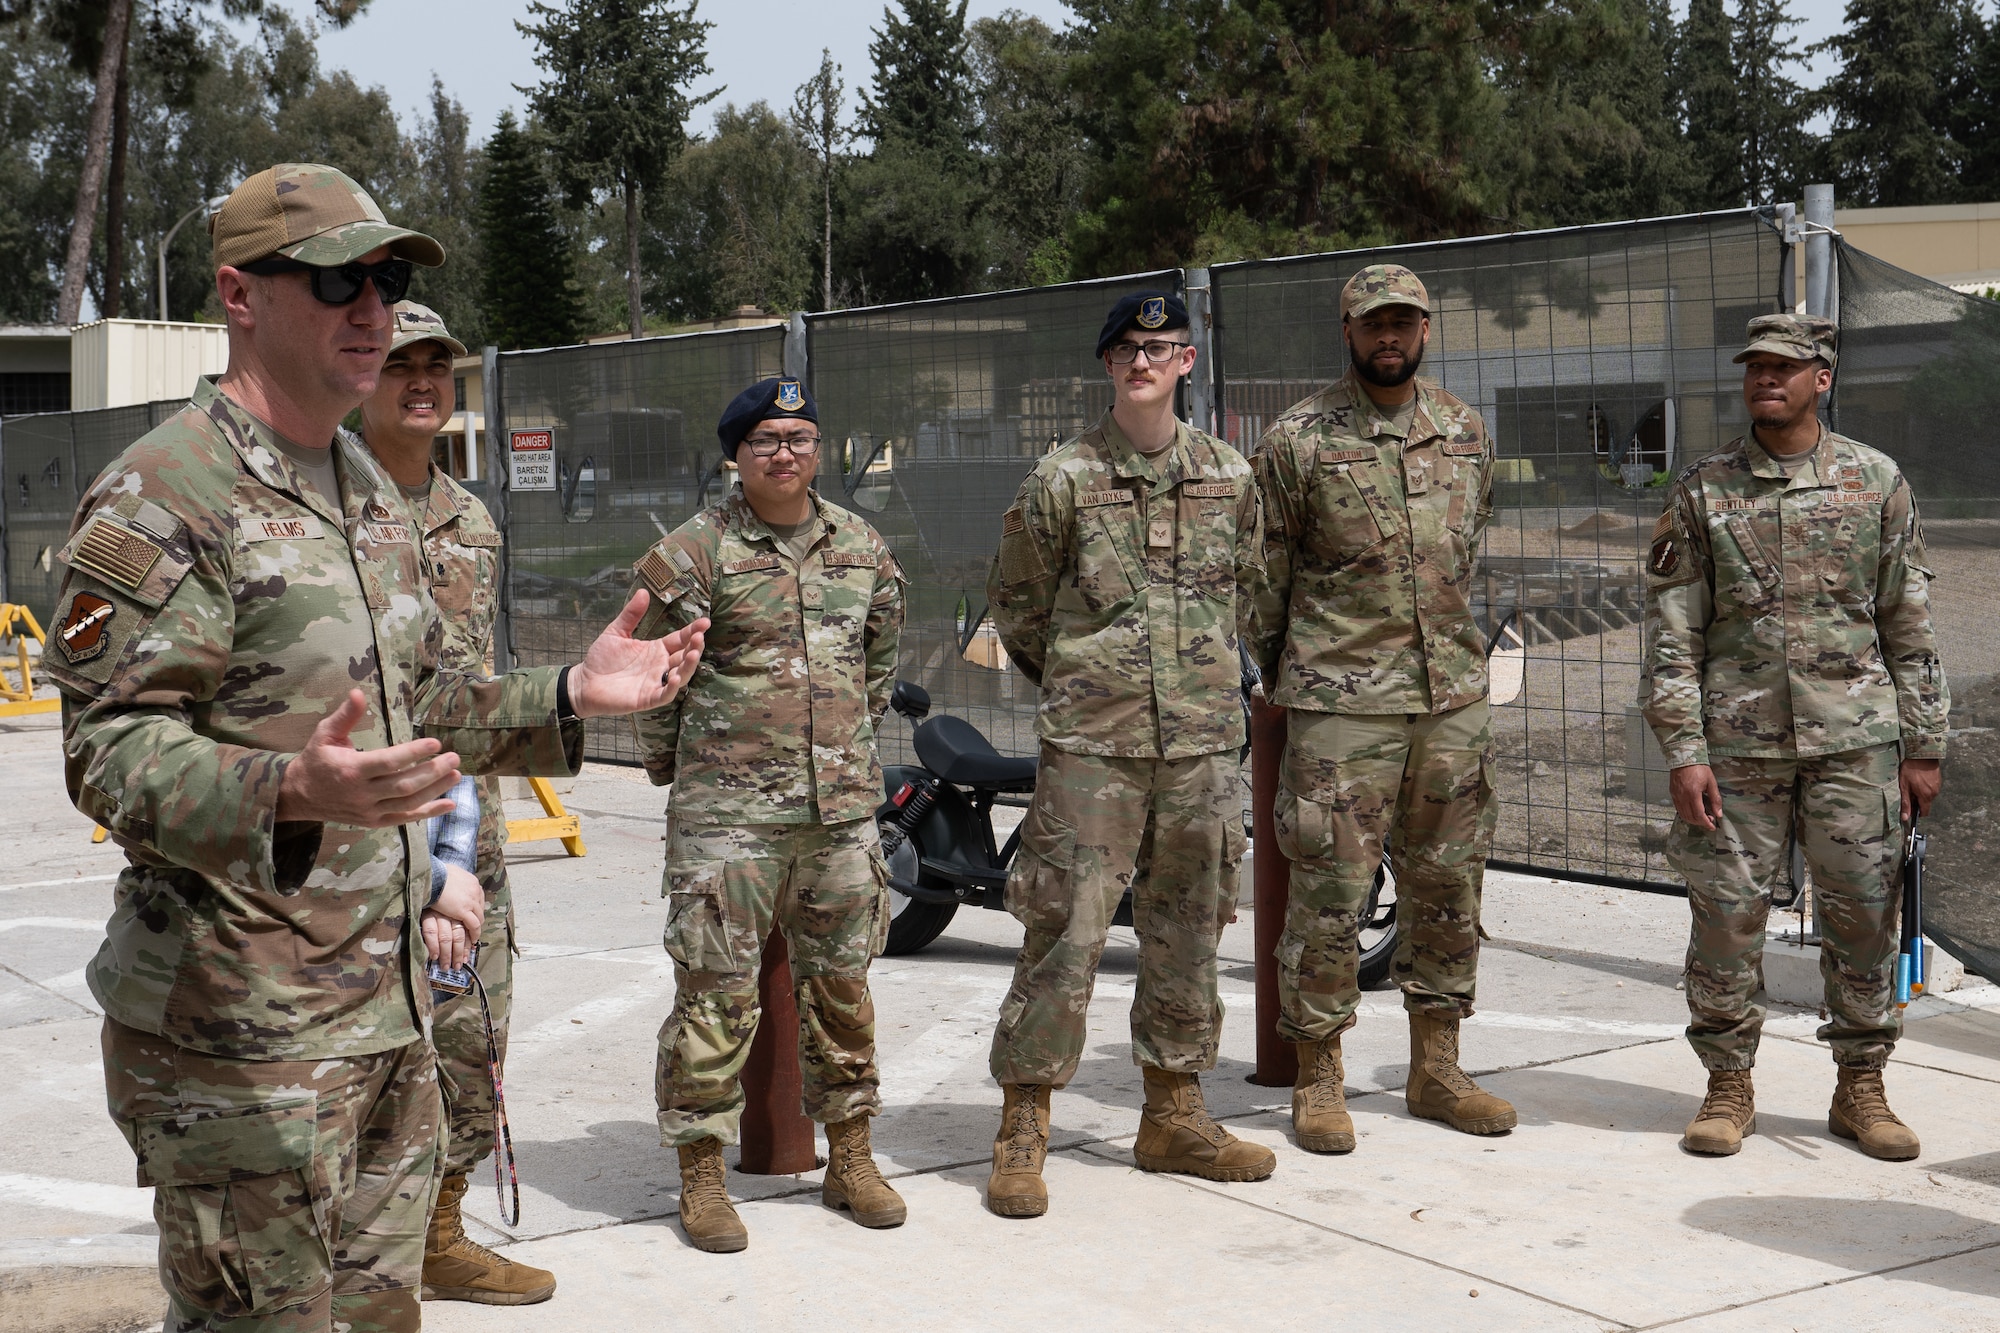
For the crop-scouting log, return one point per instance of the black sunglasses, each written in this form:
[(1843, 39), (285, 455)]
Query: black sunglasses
[(341, 285)]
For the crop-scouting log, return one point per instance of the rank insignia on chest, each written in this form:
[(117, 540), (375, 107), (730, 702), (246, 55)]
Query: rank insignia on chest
[(790, 396), (1159, 533), (1666, 558), (1152, 312), (86, 630)]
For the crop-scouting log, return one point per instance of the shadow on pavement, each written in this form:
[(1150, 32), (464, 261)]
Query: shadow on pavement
[(1558, 1096), (1833, 1231)]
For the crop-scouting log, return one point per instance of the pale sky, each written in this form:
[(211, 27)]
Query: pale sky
[(757, 48)]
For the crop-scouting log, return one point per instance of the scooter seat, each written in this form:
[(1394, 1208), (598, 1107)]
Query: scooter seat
[(953, 749)]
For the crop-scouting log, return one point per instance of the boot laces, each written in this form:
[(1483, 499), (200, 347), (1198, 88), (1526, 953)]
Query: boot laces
[(1024, 1131), (1197, 1118), (854, 1165), (1325, 1089), (1443, 1064), (1729, 1097), (701, 1184), (465, 1247), (1868, 1100)]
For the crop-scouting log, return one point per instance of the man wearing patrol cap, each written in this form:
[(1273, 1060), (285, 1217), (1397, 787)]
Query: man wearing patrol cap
[(771, 822), (1794, 684), (252, 706), (1124, 579), (400, 423), (1376, 492)]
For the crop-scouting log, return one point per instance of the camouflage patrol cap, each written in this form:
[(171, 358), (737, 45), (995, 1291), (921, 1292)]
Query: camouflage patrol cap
[(310, 213), (1382, 284), (418, 323), (1799, 337)]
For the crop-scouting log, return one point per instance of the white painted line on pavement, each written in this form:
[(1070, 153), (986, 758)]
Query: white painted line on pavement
[(52, 923), (57, 883), (128, 1202), (945, 1046)]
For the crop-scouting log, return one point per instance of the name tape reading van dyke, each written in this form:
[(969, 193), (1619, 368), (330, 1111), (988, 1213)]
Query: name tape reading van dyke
[(532, 454)]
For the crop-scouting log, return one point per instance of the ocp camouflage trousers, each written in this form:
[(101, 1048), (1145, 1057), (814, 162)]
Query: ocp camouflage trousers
[(826, 887), (458, 1030), (291, 1195), (1418, 786), (1847, 811), (1171, 830)]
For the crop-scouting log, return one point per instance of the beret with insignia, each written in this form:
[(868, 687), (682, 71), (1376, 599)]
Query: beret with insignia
[(1149, 312), (766, 400)]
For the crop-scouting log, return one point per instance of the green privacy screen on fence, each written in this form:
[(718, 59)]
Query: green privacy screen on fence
[(1599, 356)]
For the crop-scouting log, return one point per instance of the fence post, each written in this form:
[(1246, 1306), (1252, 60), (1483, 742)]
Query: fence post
[(795, 347), (1277, 1062), (1819, 252), (1201, 318), (777, 1137), (497, 506)]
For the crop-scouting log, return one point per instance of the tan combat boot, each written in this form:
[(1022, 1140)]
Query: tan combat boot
[(1319, 1098), (1177, 1134), (1726, 1115), (1861, 1112), (1439, 1090), (853, 1181), (1015, 1188), (707, 1216), (458, 1268)]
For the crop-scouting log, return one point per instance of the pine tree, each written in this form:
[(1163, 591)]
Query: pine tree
[(914, 206), (614, 101), (1771, 106), (529, 289), (1890, 144), (815, 118), (1974, 118), (1708, 69)]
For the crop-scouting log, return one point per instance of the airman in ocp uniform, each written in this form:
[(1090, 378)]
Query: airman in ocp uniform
[(1121, 589), (252, 705), (1376, 493), (1794, 684), (400, 423), (771, 754)]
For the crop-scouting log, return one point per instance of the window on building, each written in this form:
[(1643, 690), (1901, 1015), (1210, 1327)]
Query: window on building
[(22, 392), (458, 394)]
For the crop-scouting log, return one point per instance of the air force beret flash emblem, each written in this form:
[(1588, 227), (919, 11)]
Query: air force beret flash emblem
[(790, 397), (1152, 312)]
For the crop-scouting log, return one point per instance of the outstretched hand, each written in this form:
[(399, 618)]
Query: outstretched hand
[(621, 674), (332, 782)]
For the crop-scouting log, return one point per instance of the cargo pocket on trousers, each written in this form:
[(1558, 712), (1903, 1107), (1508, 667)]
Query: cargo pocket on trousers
[(697, 933), (1305, 829), (244, 1222), (878, 938), (1038, 884)]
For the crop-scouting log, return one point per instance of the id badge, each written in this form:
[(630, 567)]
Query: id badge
[(448, 981)]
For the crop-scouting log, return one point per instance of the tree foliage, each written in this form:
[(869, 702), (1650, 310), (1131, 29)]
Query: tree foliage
[(527, 280)]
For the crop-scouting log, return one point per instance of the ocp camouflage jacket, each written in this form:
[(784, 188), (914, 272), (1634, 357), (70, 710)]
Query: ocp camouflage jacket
[(1371, 542), (1122, 587), (777, 725), (214, 611), (1791, 616)]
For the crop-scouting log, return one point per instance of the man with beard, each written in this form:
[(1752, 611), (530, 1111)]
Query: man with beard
[(1794, 684), (1376, 491)]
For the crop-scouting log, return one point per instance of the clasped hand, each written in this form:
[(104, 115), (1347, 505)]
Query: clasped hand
[(330, 781)]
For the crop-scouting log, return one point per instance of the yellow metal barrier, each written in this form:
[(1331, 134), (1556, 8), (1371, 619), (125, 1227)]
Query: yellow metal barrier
[(17, 622), (558, 822)]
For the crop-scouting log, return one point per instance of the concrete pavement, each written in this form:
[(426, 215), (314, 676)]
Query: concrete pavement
[(1588, 1216)]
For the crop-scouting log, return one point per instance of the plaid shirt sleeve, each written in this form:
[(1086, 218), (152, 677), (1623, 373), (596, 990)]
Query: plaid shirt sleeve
[(454, 836)]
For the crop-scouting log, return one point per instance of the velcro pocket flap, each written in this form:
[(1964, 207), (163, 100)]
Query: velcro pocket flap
[(1050, 839), (211, 1147)]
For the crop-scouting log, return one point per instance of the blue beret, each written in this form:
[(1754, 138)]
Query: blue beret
[(1152, 312), (763, 401)]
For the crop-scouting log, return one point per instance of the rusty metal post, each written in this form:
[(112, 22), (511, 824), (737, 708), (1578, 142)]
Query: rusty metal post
[(777, 1137), (1277, 1062)]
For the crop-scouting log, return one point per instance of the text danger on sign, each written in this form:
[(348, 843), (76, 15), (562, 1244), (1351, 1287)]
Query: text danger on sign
[(532, 454)]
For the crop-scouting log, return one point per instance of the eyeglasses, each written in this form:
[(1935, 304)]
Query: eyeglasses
[(767, 446), (341, 285), (1158, 350)]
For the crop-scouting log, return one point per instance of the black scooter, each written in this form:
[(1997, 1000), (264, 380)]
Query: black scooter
[(937, 834)]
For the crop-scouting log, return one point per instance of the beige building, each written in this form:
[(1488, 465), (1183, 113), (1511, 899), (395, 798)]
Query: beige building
[(1955, 244)]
